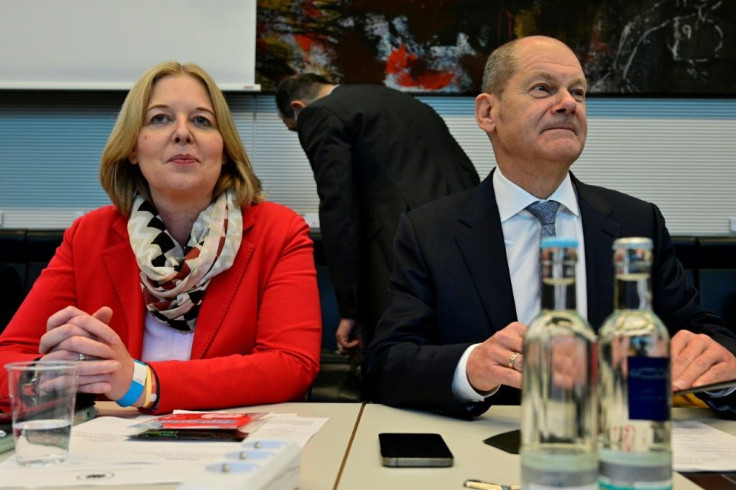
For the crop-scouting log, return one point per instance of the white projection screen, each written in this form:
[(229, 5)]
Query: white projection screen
[(108, 44)]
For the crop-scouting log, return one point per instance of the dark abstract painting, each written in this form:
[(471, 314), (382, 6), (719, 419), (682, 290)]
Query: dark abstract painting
[(626, 47)]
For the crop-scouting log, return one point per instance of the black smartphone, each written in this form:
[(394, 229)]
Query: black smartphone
[(414, 450)]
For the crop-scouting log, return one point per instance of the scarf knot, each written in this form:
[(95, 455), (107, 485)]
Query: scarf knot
[(174, 279)]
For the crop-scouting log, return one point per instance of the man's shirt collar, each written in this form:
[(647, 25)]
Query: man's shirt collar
[(512, 199)]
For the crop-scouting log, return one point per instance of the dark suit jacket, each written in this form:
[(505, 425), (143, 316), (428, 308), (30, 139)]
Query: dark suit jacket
[(451, 288), (376, 153)]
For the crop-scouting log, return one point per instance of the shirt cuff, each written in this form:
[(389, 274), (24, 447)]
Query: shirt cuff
[(721, 393), (462, 390)]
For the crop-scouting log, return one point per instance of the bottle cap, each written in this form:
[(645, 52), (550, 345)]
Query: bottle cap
[(629, 243), (556, 241)]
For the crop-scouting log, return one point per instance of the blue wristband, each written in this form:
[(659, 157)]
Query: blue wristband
[(140, 371)]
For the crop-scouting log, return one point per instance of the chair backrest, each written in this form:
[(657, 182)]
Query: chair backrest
[(717, 271), (13, 269), (41, 247), (327, 298), (687, 249)]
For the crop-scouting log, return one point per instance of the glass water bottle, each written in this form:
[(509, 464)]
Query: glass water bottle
[(558, 404), (635, 390)]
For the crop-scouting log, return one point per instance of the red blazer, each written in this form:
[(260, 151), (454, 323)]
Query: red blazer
[(259, 329)]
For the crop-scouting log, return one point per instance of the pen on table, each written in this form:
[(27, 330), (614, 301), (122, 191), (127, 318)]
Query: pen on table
[(486, 485)]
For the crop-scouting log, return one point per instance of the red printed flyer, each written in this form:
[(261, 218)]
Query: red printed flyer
[(200, 426), (203, 420)]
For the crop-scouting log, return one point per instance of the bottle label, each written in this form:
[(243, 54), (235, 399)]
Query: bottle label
[(648, 387)]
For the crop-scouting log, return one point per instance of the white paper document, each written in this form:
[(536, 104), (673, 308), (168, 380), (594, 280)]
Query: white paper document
[(290, 427), (102, 454), (699, 447)]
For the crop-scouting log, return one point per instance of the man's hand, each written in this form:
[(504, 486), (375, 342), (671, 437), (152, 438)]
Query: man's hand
[(489, 363), (697, 360), (348, 338)]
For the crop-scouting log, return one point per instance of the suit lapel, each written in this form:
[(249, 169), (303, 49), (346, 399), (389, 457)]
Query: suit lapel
[(482, 247), (223, 287), (119, 261), (599, 232)]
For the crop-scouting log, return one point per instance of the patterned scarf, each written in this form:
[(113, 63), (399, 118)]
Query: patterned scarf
[(173, 279)]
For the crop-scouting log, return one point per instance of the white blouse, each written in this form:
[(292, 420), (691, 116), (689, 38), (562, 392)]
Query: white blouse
[(163, 343)]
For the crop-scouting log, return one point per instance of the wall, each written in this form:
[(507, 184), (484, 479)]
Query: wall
[(678, 153)]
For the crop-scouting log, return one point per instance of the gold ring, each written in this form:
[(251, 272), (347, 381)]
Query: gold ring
[(512, 359)]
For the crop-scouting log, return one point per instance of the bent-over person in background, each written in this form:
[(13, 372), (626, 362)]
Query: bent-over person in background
[(375, 153)]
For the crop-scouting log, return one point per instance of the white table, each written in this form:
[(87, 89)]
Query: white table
[(473, 458), (334, 446), (321, 458)]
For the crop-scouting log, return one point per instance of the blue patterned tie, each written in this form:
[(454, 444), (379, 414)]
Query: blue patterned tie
[(545, 212)]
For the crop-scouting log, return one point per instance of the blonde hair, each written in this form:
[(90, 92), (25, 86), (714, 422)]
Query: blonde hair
[(122, 180)]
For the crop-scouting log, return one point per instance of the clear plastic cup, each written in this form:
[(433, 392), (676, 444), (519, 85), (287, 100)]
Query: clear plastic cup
[(42, 396)]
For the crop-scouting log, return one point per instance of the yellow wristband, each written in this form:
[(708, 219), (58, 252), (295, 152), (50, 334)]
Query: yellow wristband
[(147, 389)]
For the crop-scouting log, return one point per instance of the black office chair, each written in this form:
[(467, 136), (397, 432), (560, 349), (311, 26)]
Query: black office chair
[(338, 380), (717, 264), (12, 295), (12, 273), (41, 247), (687, 250)]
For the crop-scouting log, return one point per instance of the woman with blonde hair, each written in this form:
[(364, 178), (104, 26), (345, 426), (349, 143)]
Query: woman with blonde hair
[(190, 291)]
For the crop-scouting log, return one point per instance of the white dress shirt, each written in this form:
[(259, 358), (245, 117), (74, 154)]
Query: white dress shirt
[(521, 234)]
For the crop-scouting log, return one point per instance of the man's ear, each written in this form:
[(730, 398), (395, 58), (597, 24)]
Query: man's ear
[(484, 113), (297, 105)]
